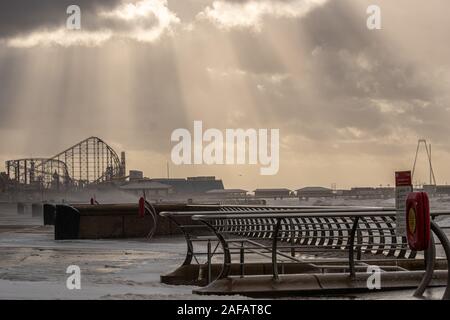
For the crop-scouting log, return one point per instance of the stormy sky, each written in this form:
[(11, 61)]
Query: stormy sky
[(350, 102)]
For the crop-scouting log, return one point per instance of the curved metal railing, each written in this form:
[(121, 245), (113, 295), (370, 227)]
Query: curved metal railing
[(353, 230)]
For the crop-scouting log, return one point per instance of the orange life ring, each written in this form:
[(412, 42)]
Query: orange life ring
[(418, 220)]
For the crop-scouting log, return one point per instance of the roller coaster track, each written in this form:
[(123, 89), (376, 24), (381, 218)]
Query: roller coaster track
[(87, 162)]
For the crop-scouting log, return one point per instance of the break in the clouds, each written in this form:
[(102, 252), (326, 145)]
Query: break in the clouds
[(250, 14), (145, 20), (61, 37)]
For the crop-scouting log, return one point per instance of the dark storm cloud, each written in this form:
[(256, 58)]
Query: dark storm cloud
[(353, 67), (351, 60), (23, 16), (355, 80)]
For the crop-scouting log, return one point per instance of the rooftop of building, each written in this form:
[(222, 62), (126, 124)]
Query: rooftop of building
[(314, 189), (145, 184), (222, 191), (272, 190), (192, 185)]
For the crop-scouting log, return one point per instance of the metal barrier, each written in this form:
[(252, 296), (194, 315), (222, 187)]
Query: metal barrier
[(293, 236), (200, 233), (195, 232)]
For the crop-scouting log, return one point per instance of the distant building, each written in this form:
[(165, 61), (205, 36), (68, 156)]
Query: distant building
[(136, 175), (442, 190), (429, 188), (314, 192), (150, 188), (387, 192), (228, 193), (192, 185), (370, 192), (272, 193)]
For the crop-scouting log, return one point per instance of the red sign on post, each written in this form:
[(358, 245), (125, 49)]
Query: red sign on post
[(403, 178)]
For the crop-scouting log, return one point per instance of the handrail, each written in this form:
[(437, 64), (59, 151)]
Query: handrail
[(189, 245), (152, 212), (294, 225), (211, 215), (274, 250), (208, 217), (430, 261), (351, 259), (430, 258), (446, 245), (278, 210), (354, 215)]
